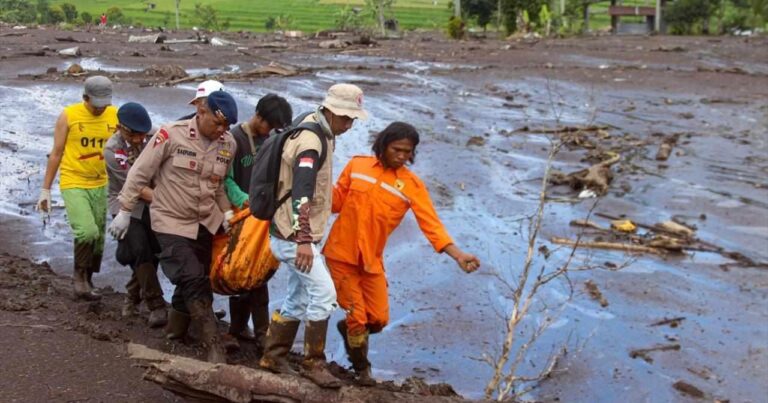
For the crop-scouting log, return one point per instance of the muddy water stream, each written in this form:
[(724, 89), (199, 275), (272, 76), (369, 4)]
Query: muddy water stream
[(443, 321)]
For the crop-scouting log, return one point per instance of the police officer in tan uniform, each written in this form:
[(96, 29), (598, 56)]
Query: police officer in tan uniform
[(187, 160), (297, 228)]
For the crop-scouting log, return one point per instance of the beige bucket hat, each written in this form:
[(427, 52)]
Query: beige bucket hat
[(345, 100)]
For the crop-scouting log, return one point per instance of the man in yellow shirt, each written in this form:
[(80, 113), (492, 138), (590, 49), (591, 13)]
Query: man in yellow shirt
[(79, 137)]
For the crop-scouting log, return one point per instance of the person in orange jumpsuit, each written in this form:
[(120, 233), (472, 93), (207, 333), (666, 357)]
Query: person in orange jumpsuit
[(371, 197)]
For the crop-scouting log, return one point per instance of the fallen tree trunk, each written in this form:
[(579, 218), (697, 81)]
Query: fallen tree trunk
[(235, 383)]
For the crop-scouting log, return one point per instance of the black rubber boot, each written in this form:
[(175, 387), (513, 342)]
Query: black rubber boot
[(80, 284), (95, 267), (201, 311), (282, 331), (260, 314), (239, 313), (152, 294), (178, 323), (314, 366), (357, 353)]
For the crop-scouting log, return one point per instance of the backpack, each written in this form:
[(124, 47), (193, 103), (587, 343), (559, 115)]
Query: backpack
[(263, 198)]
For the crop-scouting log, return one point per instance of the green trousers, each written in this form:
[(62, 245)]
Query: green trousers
[(87, 215)]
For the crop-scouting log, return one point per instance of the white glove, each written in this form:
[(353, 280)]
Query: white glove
[(120, 224), (228, 215), (44, 202)]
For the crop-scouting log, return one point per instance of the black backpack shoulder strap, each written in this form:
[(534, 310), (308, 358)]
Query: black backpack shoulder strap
[(318, 130)]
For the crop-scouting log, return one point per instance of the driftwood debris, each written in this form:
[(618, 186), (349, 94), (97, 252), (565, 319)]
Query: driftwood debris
[(595, 293), (666, 146), (334, 44), (154, 38), (672, 322), (597, 177), (644, 352), (272, 69), (40, 52), (688, 389), (270, 45), (562, 130), (177, 41), (68, 39), (71, 52), (216, 41), (624, 247), (662, 238), (235, 383), (167, 71)]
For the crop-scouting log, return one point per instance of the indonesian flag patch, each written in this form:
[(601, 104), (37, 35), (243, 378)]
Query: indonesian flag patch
[(122, 158), (306, 162), (160, 138)]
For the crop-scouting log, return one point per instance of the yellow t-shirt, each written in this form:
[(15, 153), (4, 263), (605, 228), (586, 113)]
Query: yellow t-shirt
[(82, 165)]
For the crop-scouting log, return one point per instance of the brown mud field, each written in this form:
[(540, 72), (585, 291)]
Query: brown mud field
[(650, 325)]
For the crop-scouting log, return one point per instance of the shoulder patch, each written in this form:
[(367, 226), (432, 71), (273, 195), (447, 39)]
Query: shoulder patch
[(161, 137), (122, 158)]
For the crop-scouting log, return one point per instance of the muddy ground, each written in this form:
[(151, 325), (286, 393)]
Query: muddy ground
[(480, 106)]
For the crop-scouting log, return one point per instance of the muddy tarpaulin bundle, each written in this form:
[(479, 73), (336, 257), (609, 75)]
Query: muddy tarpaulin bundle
[(242, 260)]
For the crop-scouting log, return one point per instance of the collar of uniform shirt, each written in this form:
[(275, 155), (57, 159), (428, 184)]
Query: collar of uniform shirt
[(398, 172)]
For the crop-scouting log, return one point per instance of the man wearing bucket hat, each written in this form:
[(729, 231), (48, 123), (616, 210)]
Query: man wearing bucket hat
[(297, 228), (201, 95), (139, 247), (187, 161), (79, 137)]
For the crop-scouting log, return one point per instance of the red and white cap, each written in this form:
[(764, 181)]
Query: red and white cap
[(206, 88)]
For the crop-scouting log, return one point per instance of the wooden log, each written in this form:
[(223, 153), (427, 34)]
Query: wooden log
[(185, 79), (625, 247), (235, 383)]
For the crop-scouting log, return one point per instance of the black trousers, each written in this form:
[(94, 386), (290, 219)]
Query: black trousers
[(187, 262)]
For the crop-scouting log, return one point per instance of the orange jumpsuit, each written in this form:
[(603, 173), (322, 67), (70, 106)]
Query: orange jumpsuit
[(371, 202)]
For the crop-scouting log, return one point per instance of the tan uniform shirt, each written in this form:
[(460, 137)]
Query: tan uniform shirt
[(320, 206), (188, 178)]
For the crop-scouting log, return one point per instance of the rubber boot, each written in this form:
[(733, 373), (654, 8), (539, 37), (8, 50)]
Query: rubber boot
[(178, 323), (240, 316), (314, 365), (132, 298), (158, 317), (152, 294), (201, 311), (130, 308), (260, 314), (357, 353), (239, 311), (280, 335), (83, 260), (95, 267)]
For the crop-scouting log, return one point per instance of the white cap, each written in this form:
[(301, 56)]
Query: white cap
[(206, 88)]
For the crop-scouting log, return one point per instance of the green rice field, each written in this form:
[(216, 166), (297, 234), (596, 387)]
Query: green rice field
[(305, 15)]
